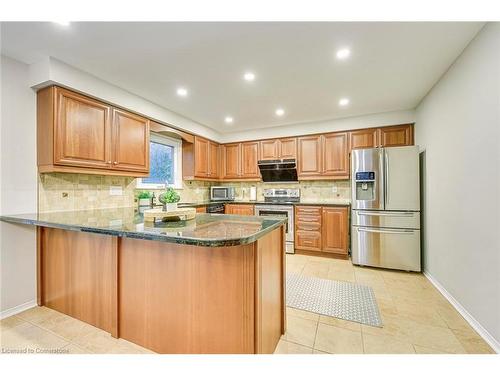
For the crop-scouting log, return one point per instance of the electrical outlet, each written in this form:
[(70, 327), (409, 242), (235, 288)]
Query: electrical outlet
[(115, 190), (334, 189)]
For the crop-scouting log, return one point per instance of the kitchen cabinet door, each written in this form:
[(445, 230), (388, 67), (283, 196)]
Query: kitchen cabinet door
[(288, 148), (231, 155), (364, 138), (239, 209), (249, 158), (269, 149), (201, 157), (335, 230), (399, 135), (214, 160), (336, 155), (309, 157), (82, 131), (130, 141)]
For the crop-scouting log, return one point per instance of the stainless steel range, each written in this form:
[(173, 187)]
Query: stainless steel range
[(279, 202)]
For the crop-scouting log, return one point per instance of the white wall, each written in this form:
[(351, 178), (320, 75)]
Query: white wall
[(458, 126), (18, 186)]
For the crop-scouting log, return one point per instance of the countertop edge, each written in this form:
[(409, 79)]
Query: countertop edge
[(148, 236)]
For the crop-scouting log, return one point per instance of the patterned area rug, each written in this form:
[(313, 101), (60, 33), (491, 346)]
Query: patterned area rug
[(343, 300)]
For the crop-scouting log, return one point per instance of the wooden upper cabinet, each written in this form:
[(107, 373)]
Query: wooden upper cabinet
[(335, 230), (82, 132), (79, 134), (364, 138), (335, 155), (249, 158), (269, 149), (231, 156), (130, 138), (214, 160), (288, 148), (201, 149), (272, 149), (399, 135), (309, 156)]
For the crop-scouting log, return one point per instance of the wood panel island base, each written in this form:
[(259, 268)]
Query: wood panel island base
[(171, 297)]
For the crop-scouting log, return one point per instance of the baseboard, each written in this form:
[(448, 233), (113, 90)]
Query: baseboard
[(17, 309), (481, 331)]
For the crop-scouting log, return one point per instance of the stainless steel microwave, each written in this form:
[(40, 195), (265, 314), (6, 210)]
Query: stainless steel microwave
[(221, 193)]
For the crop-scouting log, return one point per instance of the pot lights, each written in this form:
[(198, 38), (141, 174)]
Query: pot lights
[(344, 102), (181, 91), (249, 76), (228, 120), (279, 112), (343, 53)]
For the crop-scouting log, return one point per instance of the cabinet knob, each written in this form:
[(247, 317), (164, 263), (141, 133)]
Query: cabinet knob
[(108, 162), (115, 162)]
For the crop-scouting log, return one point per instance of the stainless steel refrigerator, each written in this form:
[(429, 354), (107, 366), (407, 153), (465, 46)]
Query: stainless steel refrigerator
[(385, 220)]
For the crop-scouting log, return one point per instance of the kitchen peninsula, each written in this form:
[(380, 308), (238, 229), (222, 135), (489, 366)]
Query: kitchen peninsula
[(214, 284)]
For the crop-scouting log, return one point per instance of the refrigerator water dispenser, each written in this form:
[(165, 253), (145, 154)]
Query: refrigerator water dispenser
[(365, 186)]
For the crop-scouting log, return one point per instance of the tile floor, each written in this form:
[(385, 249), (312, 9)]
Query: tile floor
[(417, 319)]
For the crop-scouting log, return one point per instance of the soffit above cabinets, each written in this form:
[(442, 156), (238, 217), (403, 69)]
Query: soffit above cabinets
[(391, 66)]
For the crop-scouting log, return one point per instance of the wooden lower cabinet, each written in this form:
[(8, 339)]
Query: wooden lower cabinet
[(201, 209), (239, 209), (322, 230), (168, 297)]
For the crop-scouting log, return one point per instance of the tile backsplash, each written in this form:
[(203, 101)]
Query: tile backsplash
[(68, 191)]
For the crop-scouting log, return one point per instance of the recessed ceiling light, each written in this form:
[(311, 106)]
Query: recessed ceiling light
[(344, 102), (249, 76), (343, 53), (280, 112), (181, 91), (62, 23), (228, 120)]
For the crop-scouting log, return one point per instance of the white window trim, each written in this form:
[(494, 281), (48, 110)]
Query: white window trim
[(177, 145)]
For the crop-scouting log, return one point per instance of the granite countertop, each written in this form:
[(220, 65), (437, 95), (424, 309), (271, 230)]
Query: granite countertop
[(303, 202), (205, 230)]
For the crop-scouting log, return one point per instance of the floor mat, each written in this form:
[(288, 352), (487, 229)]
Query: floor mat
[(343, 300)]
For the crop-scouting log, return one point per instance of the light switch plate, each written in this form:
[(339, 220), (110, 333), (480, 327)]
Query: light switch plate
[(115, 190)]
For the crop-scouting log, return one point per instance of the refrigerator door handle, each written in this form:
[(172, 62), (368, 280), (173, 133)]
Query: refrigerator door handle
[(382, 213), (386, 231), (386, 179)]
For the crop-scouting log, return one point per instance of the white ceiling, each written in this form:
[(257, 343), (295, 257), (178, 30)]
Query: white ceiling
[(392, 65)]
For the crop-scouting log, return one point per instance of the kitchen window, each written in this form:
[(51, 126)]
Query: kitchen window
[(165, 163)]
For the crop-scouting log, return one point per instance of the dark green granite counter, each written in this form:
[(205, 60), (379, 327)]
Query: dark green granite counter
[(205, 230)]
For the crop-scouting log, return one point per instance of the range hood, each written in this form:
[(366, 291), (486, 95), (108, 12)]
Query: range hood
[(278, 170)]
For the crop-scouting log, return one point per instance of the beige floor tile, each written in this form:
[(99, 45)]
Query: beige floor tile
[(316, 269), (320, 352), (423, 314), (393, 326), (340, 323), (338, 340), (294, 268), (452, 317), (31, 337), (423, 350), (385, 345), (300, 331), (433, 337), (38, 314), (302, 314), (98, 342), (75, 349), (285, 347), (127, 347), (10, 322), (341, 275), (472, 342), (65, 326)]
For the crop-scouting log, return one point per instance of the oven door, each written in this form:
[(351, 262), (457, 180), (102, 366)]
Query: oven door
[(277, 211)]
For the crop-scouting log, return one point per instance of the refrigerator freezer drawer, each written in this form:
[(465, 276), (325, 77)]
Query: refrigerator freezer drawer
[(386, 219), (387, 248)]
